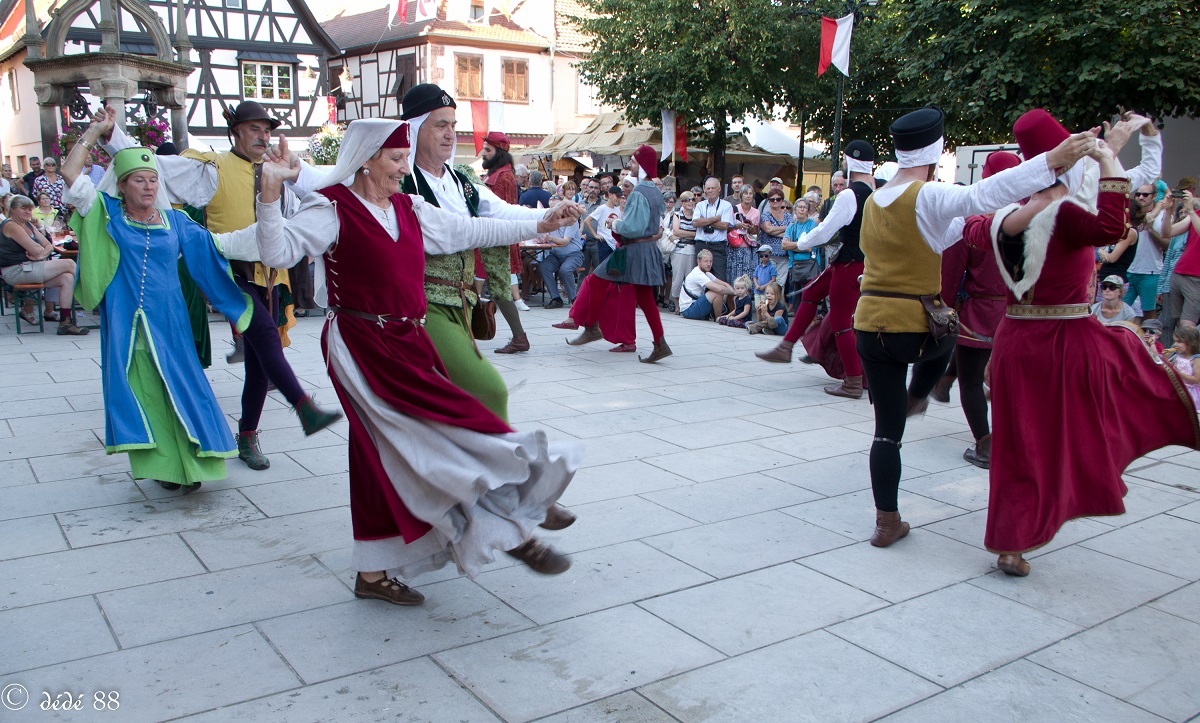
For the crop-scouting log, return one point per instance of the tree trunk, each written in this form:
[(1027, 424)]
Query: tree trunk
[(717, 150)]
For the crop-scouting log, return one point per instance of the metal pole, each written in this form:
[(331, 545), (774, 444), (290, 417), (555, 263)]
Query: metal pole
[(835, 161), (800, 163)]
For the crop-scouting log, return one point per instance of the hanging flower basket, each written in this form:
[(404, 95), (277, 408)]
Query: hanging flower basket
[(323, 146)]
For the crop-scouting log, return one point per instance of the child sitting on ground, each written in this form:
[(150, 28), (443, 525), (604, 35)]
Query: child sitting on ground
[(1151, 334), (770, 317), (1187, 360), (764, 273), (743, 306)]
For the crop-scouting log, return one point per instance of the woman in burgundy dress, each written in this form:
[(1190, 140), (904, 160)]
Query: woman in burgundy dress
[(435, 476), (1073, 401)]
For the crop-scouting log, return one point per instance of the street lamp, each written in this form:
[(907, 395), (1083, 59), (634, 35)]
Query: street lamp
[(851, 6)]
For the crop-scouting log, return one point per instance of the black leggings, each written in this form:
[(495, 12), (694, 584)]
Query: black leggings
[(971, 364), (264, 358), (885, 359)]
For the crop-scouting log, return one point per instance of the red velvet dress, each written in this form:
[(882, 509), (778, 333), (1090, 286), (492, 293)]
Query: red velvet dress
[(983, 309), (1074, 402), (367, 271)]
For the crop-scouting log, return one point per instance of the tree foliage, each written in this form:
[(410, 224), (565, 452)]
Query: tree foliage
[(985, 62)]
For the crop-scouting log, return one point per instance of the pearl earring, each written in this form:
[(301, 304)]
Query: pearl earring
[(366, 171)]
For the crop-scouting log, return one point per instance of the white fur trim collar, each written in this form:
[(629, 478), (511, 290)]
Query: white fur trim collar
[(1037, 241)]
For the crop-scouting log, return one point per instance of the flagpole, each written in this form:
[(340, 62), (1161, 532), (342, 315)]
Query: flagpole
[(836, 154)]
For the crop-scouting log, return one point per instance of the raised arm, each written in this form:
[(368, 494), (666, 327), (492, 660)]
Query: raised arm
[(1171, 230), (72, 165), (282, 243), (446, 232)]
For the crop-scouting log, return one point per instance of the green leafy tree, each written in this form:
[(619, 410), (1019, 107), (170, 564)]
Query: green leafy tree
[(708, 60), (987, 61)]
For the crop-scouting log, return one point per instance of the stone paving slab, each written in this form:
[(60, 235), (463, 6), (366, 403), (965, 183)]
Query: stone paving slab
[(720, 568)]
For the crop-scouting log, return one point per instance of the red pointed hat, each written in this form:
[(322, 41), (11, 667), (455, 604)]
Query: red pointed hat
[(647, 160), (497, 140), (1038, 132), (1000, 161)]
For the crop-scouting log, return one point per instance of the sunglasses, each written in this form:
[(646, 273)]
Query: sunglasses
[(1142, 195), (1109, 287)]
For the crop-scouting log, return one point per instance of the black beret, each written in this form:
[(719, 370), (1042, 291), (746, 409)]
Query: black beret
[(860, 151), (918, 129), (423, 98)]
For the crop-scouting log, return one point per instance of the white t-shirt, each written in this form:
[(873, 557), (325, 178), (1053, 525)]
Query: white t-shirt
[(1126, 314), (704, 209), (601, 215), (694, 282)]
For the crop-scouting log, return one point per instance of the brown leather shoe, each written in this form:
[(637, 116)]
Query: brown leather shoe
[(941, 390), (387, 589), (624, 348), (888, 528), (557, 518), (850, 388), (587, 336), (1013, 564), (781, 354), (981, 454), (541, 558), (660, 351), (917, 406), (520, 342)]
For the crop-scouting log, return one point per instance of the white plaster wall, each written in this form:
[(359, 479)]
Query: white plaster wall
[(532, 117), (20, 134)]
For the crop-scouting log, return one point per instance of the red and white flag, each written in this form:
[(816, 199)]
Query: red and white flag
[(426, 10), (835, 44), (397, 10), (674, 136)]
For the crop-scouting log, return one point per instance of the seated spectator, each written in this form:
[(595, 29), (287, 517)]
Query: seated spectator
[(25, 259), (1187, 360), (45, 212), (703, 293), (764, 273), (562, 262), (1151, 334), (1111, 309), (743, 305), (770, 315)]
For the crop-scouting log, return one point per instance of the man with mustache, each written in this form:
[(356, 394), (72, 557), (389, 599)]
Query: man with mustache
[(224, 185)]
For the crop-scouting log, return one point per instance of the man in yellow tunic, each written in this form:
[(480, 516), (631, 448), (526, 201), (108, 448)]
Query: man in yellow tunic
[(224, 185)]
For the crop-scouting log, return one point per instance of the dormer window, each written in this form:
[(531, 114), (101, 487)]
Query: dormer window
[(476, 14)]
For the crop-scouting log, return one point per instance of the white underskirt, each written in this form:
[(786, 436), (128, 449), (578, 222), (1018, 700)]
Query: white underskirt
[(482, 493)]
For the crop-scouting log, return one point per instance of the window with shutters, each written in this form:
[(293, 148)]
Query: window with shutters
[(468, 78), (516, 80)]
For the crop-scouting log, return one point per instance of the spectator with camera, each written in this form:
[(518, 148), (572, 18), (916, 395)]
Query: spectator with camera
[(1185, 281), (715, 220)]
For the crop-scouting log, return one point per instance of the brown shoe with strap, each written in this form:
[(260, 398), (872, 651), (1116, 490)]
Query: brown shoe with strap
[(388, 589), (888, 528), (587, 336), (660, 351), (520, 342), (1013, 564), (541, 558)]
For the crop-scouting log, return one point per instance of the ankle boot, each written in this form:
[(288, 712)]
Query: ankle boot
[(851, 388), (981, 454), (888, 528), (250, 453), (238, 355), (941, 390), (781, 354), (661, 351), (519, 342), (1013, 564), (312, 418), (587, 336)]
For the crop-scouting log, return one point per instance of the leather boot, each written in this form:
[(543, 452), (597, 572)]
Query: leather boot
[(519, 342), (661, 351), (313, 418), (941, 390), (888, 528), (587, 336), (981, 454), (851, 388), (781, 354), (250, 453)]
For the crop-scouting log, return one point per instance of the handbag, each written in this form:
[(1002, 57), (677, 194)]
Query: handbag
[(943, 319), (483, 320), (736, 237)]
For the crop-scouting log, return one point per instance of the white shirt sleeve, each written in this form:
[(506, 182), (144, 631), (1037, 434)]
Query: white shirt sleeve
[(446, 232), (283, 243), (938, 204), (841, 213), (82, 194), (726, 212), (241, 245), (186, 180), (1148, 171), (309, 180), (490, 206)]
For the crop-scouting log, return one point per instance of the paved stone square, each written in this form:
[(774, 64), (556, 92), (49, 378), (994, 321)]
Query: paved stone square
[(721, 569)]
